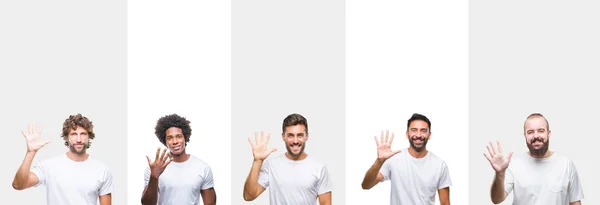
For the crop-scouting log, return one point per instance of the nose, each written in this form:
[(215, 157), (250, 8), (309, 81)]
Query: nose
[(79, 138)]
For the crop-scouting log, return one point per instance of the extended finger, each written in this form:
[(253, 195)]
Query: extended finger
[(262, 137), (493, 149), (487, 157), (490, 152), (392, 139), (157, 153), (376, 141), (148, 158), (167, 162), (162, 155), (250, 141), (29, 128), (387, 136), (381, 138), (268, 138), (40, 129), (499, 147), (395, 152), (255, 137)]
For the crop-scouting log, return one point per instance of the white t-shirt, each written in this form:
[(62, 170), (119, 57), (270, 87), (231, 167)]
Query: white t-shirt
[(415, 181), (181, 182), (294, 182), (70, 182), (547, 181)]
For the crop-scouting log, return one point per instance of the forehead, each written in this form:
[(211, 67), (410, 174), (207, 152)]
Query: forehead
[(418, 124), (535, 123), (79, 129), (295, 129), (174, 131)]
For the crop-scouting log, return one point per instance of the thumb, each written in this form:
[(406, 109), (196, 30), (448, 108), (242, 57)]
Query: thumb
[(46, 142), (393, 153), (148, 158), (509, 155), (273, 150)]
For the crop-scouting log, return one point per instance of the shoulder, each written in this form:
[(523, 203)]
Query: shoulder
[(314, 162), (98, 165), (199, 163), (437, 161)]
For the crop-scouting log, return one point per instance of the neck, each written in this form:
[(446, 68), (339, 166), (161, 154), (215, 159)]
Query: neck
[(548, 154), (301, 156), (77, 157), (414, 153), (181, 157)]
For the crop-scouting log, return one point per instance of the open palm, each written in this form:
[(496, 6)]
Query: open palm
[(497, 159), (384, 146), (260, 150), (33, 138)]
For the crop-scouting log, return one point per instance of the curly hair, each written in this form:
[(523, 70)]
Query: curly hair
[(173, 120), (75, 121)]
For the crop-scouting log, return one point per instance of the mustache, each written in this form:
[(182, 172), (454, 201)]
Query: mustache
[(537, 139), (418, 138)]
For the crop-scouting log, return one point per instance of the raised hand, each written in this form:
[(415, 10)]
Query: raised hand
[(497, 159), (33, 135), (384, 146), (160, 163), (260, 149)]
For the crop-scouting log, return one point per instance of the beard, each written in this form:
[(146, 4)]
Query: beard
[(74, 150), (289, 150), (412, 143), (540, 151)]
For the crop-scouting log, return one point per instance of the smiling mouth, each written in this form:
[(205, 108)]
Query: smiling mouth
[(295, 147)]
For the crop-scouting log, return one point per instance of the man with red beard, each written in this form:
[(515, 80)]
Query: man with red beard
[(416, 173), (177, 177), (294, 177), (538, 177), (73, 178)]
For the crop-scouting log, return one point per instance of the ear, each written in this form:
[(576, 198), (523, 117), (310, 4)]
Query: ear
[(283, 136), (407, 137), (429, 135), (549, 132)]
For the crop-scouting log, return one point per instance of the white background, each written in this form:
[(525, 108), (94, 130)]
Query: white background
[(404, 57), (179, 62)]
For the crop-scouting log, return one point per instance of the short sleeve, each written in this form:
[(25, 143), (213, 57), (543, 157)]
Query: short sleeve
[(508, 180), (40, 171), (385, 169), (207, 183), (107, 183), (324, 184), (575, 191), (146, 176), (263, 176), (444, 180)]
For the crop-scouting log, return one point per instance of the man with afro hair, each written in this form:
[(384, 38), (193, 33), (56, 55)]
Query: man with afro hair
[(177, 177)]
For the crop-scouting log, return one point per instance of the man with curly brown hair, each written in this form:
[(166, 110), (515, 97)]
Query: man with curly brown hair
[(187, 178), (73, 178)]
